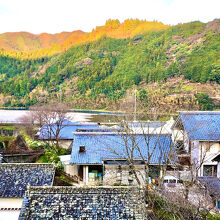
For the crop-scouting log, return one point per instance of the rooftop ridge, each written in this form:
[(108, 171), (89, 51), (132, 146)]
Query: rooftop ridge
[(33, 190), (28, 164), (97, 133), (200, 112), (120, 133), (83, 187)]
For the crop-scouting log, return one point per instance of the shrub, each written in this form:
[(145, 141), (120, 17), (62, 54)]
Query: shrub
[(204, 101)]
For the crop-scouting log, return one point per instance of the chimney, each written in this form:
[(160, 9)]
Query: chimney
[(82, 149)]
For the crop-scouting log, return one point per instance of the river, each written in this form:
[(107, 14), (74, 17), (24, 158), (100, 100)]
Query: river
[(13, 116)]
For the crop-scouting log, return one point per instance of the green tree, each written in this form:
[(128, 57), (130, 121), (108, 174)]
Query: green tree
[(142, 94), (204, 101)]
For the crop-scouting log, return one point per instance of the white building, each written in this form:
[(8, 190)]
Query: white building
[(201, 140)]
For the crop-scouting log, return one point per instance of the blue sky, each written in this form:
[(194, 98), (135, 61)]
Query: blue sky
[(53, 16)]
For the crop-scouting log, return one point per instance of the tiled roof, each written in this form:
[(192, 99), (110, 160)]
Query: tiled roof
[(83, 203), (149, 124), (14, 178), (112, 146), (67, 130), (201, 125)]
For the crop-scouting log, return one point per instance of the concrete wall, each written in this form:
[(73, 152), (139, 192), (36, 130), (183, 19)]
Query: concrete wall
[(66, 143), (195, 154), (9, 203), (186, 142), (208, 150), (202, 154), (71, 169), (122, 175), (218, 170), (9, 214)]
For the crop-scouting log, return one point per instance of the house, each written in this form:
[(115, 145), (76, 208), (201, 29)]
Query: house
[(83, 203), (7, 133), (151, 127), (14, 179), (104, 156), (47, 132), (201, 140)]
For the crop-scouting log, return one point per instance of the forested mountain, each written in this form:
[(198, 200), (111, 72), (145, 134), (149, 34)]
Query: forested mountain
[(24, 45), (166, 64), (24, 41)]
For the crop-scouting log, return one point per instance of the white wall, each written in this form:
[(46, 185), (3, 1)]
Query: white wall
[(113, 175), (10, 203), (9, 215), (71, 169), (66, 143), (206, 151), (195, 153), (218, 170)]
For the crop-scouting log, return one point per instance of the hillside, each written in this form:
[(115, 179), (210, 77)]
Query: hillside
[(169, 67), (24, 41), (27, 45)]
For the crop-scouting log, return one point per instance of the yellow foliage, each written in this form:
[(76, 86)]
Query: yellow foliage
[(112, 28)]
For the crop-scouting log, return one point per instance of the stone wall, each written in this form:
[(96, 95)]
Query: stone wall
[(122, 174), (71, 169)]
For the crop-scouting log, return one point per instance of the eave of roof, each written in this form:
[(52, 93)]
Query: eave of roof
[(200, 125)]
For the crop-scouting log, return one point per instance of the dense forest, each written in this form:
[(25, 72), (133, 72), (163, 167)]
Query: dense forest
[(105, 69)]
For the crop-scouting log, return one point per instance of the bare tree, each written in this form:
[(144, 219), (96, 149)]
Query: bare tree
[(176, 203), (51, 120), (143, 146)]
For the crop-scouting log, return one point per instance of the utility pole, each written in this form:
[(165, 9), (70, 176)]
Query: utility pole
[(135, 104), (60, 95)]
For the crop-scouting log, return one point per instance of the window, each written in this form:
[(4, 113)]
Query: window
[(210, 170), (1, 146), (180, 146), (154, 171)]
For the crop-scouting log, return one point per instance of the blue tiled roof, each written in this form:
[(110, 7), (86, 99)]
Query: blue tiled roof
[(112, 146), (201, 125), (67, 130), (150, 124)]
